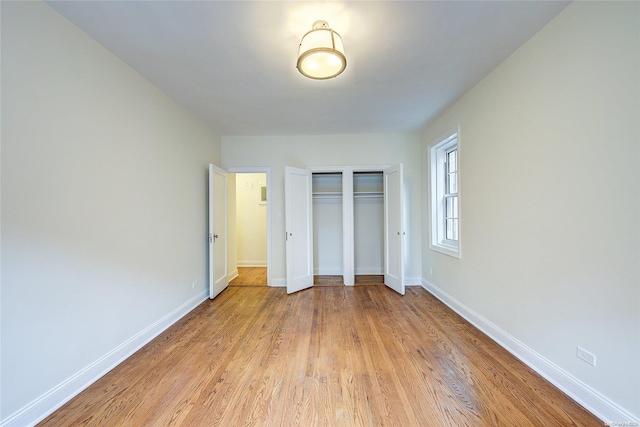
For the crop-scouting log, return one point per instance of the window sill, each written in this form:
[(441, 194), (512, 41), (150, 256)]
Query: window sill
[(451, 250)]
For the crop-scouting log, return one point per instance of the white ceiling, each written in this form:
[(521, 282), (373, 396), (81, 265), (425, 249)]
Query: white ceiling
[(232, 63)]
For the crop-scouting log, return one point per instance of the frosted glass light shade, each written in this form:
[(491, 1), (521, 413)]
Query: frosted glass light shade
[(321, 53)]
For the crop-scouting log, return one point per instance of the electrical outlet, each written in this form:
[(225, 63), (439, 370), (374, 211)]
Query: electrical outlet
[(586, 356), (194, 284)]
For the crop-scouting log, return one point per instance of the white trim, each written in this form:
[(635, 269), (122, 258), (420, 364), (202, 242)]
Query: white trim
[(53, 399), (266, 170), (436, 239), (326, 169), (327, 272), (357, 168), (232, 275), (589, 398), (370, 168), (378, 271), (252, 263), (348, 233)]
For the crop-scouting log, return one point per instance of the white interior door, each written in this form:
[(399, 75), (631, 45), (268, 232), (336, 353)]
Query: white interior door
[(298, 228), (218, 278), (393, 229)]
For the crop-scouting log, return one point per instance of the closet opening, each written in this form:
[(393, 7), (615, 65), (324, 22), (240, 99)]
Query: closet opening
[(368, 227), (327, 192), (348, 222)]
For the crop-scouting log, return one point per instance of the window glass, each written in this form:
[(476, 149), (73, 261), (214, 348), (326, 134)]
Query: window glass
[(445, 198)]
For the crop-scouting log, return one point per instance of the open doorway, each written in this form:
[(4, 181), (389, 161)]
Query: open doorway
[(248, 235)]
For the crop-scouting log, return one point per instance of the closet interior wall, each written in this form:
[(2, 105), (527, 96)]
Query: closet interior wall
[(327, 224), (368, 223), (345, 203)]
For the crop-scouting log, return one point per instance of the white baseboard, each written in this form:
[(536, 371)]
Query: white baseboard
[(232, 275), (252, 263), (327, 272), (46, 404), (368, 271), (591, 399)]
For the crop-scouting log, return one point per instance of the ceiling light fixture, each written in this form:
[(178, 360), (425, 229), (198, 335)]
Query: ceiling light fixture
[(321, 53)]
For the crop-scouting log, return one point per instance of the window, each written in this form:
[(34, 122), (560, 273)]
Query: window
[(451, 195), (445, 195)]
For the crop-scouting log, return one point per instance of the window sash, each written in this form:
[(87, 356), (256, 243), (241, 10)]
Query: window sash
[(450, 218), (444, 195), (450, 198), (451, 229)]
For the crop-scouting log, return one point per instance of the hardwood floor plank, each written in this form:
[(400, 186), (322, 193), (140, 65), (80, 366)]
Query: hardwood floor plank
[(324, 280), (369, 279), (335, 355), (250, 276), (360, 280)]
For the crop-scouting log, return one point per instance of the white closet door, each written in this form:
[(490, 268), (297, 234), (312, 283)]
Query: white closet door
[(299, 228), (393, 229), (218, 277)]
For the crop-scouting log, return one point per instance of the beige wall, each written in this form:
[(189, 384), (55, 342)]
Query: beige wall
[(550, 191), (251, 220), (104, 216), (104, 190)]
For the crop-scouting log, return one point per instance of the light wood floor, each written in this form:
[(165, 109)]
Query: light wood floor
[(326, 356), (250, 276), (257, 276), (361, 280)]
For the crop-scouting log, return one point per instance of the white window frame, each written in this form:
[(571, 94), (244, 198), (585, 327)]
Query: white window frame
[(437, 152)]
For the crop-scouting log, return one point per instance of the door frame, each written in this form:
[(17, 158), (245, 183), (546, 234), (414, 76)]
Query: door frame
[(348, 231), (266, 170)]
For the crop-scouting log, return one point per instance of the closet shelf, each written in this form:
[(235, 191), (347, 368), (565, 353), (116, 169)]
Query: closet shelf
[(356, 195), (327, 195), (368, 194)]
